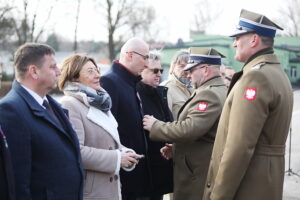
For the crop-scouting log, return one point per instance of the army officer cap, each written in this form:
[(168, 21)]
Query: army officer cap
[(203, 55), (251, 22)]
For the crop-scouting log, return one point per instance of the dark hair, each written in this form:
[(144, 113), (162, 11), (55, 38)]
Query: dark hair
[(71, 68), (30, 54)]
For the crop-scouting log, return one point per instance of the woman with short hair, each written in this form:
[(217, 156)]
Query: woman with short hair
[(89, 111)]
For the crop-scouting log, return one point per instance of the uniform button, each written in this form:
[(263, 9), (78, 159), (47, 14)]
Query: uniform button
[(208, 185), (110, 148), (116, 177), (111, 179)]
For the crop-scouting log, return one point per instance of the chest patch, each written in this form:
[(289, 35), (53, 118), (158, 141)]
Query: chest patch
[(202, 106), (250, 94)]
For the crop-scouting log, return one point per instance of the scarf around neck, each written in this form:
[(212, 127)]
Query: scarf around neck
[(99, 99)]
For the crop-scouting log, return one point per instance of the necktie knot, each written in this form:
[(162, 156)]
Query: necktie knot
[(46, 105), (49, 110)]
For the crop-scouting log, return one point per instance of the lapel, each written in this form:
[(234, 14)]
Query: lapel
[(40, 112), (190, 99), (106, 121), (214, 81)]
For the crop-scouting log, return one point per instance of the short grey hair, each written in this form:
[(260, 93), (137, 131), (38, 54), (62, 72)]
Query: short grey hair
[(155, 55)]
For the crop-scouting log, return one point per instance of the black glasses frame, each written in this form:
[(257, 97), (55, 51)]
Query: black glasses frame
[(145, 57)]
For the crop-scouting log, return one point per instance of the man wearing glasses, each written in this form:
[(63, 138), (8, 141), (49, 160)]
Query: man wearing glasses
[(120, 82), (194, 132)]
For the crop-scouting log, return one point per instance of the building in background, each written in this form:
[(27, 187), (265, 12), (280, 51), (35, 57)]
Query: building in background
[(286, 48)]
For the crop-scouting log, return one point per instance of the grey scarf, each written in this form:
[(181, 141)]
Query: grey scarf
[(99, 99)]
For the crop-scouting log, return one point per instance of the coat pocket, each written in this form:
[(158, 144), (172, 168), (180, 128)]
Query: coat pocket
[(89, 182)]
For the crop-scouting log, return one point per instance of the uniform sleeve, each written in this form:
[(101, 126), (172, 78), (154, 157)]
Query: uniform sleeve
[(249, 111), (197, 123), (109, 85), (101, 160), (19, 141)]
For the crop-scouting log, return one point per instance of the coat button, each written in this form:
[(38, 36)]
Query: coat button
[(208, 185), (116, 177), (110, 148), (111, 179)]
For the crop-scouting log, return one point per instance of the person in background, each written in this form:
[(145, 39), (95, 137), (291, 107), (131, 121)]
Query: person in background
[(248, 156), (89, 111), (227, 73), (120, 82), (179, 89), (194, 132), (44, 147), (155, 102)]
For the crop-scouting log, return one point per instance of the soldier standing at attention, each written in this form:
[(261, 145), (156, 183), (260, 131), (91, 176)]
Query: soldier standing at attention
[(248, 156)]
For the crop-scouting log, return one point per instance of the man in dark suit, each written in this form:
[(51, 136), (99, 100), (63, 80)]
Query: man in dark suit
[(120, 83), (44, 147)]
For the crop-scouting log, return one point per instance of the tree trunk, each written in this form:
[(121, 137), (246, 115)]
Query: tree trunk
[(111, 45)]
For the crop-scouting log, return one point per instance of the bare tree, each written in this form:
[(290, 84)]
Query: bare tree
[(25, 26), (5, 22), (76, 26), (139, 22), (125, 14), (290, 17), (205, 13)]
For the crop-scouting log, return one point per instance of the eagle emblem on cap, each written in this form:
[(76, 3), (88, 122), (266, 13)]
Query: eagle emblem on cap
[(250, 94)]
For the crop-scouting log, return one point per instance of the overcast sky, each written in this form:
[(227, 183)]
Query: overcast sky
[(174, 18)]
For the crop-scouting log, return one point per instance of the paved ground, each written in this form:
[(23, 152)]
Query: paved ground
[(292, 181)]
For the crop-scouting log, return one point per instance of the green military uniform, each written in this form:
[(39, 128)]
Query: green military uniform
[(248, 156), (193, 135), (178, 93)]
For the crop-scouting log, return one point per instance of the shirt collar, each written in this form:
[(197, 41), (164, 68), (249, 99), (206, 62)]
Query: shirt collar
[(37, 97)]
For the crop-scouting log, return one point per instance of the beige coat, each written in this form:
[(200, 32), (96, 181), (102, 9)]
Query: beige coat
[(178, 93), (100, 147), (248, 155), (193, 135)]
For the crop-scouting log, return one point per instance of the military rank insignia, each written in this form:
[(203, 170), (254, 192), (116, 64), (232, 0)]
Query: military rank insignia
[(202, 106), (250, 94)]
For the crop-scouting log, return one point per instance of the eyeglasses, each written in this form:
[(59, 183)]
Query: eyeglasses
[(145, 57), (156, 70)]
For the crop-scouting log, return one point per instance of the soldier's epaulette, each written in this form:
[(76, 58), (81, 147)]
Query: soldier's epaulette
[(258, 66)]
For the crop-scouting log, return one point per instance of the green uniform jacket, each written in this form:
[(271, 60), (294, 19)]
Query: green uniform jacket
[(178, 94), (193, 135), (248, 156)]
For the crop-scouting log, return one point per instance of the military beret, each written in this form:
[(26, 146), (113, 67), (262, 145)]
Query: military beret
[(251, 22), (203, 55)]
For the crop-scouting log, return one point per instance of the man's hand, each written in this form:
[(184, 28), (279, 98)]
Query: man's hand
[(166, 151), (148, 122)]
